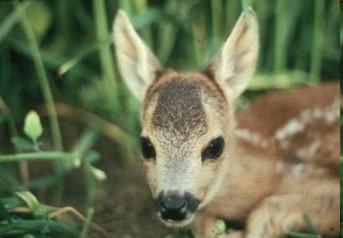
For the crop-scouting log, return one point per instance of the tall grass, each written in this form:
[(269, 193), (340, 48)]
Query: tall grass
[(105, 55), (43, 82)]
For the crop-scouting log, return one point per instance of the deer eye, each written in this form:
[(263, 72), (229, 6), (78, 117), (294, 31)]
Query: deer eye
[(148, 150), (214, 149)]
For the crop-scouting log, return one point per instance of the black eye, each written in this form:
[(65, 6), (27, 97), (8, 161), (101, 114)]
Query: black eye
[(214, 149), (147, 148)]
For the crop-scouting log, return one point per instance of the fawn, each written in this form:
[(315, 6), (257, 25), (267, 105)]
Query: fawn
[(268, 167)]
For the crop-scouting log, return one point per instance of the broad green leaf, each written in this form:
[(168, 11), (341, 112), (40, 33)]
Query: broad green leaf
[(32, 126)]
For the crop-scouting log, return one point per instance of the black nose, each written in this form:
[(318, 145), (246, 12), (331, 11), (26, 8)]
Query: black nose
[(174, 206)]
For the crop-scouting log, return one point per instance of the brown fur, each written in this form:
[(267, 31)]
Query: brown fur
[(270, 201), (292, 104), (179, 107)]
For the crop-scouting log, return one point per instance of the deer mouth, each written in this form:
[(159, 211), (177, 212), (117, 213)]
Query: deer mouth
[(176, 209), (178, 224)]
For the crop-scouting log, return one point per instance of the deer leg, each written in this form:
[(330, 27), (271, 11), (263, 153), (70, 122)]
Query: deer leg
[(235, 234), (205, 226), (278, 215)]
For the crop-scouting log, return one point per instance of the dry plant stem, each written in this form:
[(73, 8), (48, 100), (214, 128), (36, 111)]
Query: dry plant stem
[(76, 114), (110, 130), (58, 212)]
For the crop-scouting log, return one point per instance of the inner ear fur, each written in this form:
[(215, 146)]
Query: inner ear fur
[(235, 63)]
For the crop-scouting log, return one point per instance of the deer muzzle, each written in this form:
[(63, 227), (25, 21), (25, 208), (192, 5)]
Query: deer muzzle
[(173, 206)]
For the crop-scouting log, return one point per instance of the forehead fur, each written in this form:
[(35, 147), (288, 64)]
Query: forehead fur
[(179, 107)]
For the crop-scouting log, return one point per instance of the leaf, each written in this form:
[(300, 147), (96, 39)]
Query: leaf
[(40, 18), (32, 126), (32, 203), (22, 143)]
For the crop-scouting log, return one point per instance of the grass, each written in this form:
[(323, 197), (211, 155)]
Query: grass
[(43, 82), (106, 57), (62, 65)]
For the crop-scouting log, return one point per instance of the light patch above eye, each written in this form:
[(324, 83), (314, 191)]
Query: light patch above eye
[(214, 149)]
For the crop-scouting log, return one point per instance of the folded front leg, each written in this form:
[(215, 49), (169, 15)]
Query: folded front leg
[(278, 215), (235, 234), (205, 226)]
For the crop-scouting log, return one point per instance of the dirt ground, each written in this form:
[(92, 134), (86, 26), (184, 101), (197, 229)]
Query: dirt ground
[(126, 207)]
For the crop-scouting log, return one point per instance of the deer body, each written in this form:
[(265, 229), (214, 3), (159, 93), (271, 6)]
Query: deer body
[(275, 162), (266, 180)]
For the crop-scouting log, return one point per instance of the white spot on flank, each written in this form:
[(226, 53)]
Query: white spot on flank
[(292, 127), (299, 168), (280, 167), (298, 124), (317, 113), (302, 153), (309, 152), (251, 137)]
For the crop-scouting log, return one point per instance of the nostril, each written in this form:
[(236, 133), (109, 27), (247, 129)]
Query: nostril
[(173, 202), (172, 206)]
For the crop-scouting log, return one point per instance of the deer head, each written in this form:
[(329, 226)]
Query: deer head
[(187, 118)]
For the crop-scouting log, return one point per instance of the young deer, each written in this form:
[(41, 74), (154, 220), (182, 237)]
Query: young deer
[(278, 162)]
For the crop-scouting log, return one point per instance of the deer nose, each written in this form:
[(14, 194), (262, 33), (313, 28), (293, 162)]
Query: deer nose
[(172, 206)]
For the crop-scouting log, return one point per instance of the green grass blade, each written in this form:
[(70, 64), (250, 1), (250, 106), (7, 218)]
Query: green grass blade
[(106, 57), (12, 19), (317, 43), (46, 155), (43, 81), (87, 223)]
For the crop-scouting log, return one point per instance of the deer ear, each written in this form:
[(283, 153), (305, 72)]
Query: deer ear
[(235, 63), (137, 64)]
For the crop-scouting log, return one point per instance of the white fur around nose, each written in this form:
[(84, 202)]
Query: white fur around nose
[(176, 174)]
